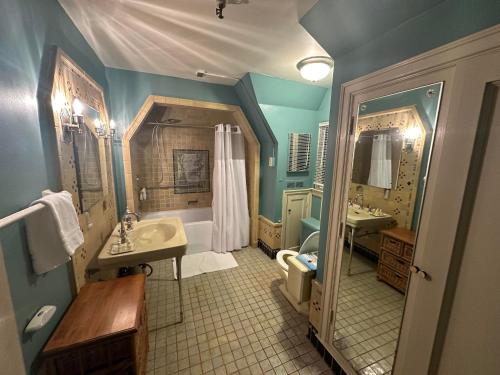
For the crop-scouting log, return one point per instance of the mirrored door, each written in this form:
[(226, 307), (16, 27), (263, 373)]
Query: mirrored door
[(393, 144)]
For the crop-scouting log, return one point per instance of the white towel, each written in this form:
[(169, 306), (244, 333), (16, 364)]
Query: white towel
[(54, 233)]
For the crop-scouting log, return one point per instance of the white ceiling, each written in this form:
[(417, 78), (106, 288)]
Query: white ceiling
[(179, 37)]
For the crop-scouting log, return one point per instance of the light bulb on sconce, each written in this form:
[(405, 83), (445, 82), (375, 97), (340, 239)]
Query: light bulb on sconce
[(70, 117), (77, 115), (410, 137), (77, 107), (112, 129), (99, 129), (59, 102)]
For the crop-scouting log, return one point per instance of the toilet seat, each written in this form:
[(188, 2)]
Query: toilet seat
[(281, 258)]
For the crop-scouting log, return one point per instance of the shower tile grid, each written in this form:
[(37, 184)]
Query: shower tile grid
[(369, 314), (236, 321)]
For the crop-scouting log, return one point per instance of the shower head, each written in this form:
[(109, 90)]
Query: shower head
[(173, 121)]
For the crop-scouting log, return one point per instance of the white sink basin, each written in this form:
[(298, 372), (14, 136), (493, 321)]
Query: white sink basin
[(151, 234), (150, 240), (357, 218)]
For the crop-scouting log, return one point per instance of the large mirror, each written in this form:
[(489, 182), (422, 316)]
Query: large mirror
[(393, 139), (87, 160), (377, 157)]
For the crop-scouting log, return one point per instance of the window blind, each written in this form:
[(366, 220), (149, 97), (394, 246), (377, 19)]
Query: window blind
[(319, 177)]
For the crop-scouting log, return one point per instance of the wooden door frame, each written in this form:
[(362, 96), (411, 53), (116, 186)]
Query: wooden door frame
[(253, 148), (448, 166)]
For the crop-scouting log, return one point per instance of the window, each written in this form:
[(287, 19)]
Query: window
[(319, 177)]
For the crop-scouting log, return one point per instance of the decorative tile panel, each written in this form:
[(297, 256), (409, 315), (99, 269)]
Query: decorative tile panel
[(154, 170), (72, 82), (269, 235)]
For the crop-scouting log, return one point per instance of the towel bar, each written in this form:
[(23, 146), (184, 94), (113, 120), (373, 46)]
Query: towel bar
[(16, 216)]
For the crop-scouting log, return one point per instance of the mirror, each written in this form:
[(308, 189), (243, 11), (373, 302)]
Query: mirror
[(376, 158), (392, 150), (87, 161)]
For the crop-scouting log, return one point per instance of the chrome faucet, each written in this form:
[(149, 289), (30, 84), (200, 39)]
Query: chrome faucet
[(359, 198), (126, 224)]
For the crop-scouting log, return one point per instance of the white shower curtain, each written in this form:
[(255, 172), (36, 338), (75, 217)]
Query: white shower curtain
[(381, 167), (231, 221)]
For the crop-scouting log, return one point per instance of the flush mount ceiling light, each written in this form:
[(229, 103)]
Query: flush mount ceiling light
[(315, 68)]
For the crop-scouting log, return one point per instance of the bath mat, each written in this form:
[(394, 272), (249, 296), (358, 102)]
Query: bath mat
[(207, 261)]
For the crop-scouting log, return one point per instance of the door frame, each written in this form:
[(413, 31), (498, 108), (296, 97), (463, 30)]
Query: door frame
[(447, 177), (284, 217)]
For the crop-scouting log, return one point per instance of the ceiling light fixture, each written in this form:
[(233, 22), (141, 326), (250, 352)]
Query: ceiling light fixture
[(221, 4), (315, 68)]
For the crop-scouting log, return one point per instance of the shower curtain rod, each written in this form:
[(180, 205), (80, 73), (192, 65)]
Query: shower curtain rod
[(183, 125)]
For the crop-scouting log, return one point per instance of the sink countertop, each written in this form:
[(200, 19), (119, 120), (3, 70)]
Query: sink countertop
[(358, 217), (152, 240)]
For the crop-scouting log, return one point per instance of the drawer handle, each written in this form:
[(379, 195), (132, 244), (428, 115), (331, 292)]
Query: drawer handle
[(416, 270)]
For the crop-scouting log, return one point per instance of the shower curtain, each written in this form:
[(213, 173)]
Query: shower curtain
[(231, 221), (381, 167)]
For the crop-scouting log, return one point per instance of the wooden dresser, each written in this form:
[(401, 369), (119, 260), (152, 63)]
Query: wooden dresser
[(396, 254), (103, 332)]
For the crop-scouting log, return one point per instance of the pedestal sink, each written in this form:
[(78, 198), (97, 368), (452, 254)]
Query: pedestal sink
[(358, 219), (148, 241)]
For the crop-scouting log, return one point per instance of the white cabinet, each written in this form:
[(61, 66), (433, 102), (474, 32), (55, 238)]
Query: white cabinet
[(296, 205)]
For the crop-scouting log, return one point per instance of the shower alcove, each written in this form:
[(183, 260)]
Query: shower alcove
[(166, 128)]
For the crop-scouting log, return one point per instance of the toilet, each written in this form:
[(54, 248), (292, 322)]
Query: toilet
[(310, 245)]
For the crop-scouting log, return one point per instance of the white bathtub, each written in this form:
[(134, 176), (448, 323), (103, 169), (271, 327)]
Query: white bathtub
[(197, 225)]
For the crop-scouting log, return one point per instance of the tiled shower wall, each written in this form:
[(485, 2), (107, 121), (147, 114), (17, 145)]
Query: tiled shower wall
[(155, 171)]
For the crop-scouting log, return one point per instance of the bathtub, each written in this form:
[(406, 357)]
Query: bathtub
[(197, 225)]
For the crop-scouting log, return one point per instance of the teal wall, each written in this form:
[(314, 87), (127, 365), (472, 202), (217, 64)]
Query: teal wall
[(418, 32), (287, 107), (268, 144), (28, 31), (128, 90), (316, 207), (324, 108), (284, 120)]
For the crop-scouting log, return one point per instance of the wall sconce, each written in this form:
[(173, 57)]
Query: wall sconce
[(77, 115), (71, 117), (410, 137), (99, 129), (112, 129)]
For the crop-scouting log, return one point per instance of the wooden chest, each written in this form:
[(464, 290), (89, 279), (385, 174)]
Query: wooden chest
[(103, 332), (396, 254)]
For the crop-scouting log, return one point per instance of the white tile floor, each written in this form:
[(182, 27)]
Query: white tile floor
[(235, 321), (368, 318)]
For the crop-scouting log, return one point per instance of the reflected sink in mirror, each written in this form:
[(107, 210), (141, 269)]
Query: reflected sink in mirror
[(359, 217), (148, 241)]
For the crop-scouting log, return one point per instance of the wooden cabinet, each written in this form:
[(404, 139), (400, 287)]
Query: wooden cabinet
[(103, 332), (396, 253)]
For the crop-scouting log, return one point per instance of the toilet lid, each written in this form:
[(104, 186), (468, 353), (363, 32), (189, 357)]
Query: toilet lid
[(282, 254)]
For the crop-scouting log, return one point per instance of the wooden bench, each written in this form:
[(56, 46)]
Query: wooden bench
[(103, 332)]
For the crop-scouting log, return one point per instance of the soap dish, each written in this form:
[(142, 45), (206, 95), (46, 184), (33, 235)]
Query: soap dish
[(121, 248)]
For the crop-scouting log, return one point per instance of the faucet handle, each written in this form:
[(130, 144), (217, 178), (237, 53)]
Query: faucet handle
[(128, 220)]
